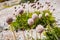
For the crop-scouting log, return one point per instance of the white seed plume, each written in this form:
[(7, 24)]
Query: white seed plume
[(40, 15), (34, 16), (30, 21), (46, 14), (39, 28)]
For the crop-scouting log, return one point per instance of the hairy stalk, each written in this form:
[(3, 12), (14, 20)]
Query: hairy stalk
[(24, 35), (40, 36), (14, 35)]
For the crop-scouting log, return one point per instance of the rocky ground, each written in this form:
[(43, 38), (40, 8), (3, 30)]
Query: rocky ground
[(9, 12), (9, 3)]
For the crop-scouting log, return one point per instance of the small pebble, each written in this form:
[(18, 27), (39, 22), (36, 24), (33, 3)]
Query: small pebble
[(6, 29), (19, 7), (47, 2), (53, 9), (15, 7), (52, 6), (49, 5), (38, 8), (38, 3), (13, 14), (41, 6), (15, 10), (32, 5)]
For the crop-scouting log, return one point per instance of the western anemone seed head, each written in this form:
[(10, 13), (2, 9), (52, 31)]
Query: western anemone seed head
[(39, 28), (40, 15), (46, 14), (21, 10), (34, 16), (9, 20), (30, 21)]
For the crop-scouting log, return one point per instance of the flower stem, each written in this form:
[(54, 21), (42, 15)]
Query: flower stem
[(36, 35), (24, 35), (28, 36), (31, 34), (11, 28), (40, 36), (14, 35)]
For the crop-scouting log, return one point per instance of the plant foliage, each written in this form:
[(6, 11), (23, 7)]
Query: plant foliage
[(51, 31)]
